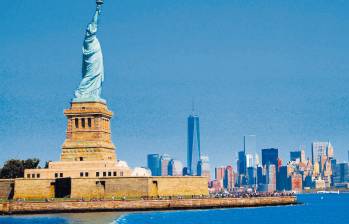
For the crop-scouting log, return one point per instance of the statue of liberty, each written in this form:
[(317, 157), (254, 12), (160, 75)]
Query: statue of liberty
[(90, 86)]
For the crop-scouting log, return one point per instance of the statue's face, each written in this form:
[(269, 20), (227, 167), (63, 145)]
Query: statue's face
[(99, 2)]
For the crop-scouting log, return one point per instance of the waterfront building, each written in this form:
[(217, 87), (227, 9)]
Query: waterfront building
[(219, 175), (164, 162), (153, 162), (193, 148), (175, 168), (271, 177), (341, 173), (204, 167), (283, 179), (270, 156), (296, 182), (229, 179)]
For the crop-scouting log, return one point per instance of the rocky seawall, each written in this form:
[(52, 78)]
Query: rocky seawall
[(16, 207)]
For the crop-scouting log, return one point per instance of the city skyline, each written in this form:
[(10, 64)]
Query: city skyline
[(243, 82)]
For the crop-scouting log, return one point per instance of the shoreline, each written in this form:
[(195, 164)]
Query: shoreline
[(16, 207)]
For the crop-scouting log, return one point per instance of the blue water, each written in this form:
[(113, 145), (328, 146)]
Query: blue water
[(317, 209)]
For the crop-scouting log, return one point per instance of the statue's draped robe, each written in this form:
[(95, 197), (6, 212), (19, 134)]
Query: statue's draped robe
[(92, 65)]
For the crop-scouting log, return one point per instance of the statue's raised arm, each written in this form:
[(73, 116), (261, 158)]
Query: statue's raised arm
[(92, 27), (90, 86)]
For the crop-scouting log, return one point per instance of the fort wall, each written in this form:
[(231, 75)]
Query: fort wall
[(113, 187)]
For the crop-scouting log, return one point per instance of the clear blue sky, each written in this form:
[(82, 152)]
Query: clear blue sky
[(276, 69)]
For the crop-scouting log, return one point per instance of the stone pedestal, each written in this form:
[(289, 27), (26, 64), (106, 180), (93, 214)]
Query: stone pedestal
[(88, 136)]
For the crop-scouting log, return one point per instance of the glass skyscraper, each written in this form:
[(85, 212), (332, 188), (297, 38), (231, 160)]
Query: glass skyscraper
[(153, 161), (193, 150), (270, 156)]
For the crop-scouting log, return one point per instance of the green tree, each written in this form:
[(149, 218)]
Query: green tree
[(31, 163), (15, 168)]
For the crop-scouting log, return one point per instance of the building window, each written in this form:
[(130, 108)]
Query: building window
[(76, 123), (33, 175), (61, 175), (89, 122), (38, 175), (114, 174), (28, 175), (81, 158), (86, 174), (97, 174), (104, 174), (83, 122), (109, 174), (121, 173), (56, 175), (81, 174)]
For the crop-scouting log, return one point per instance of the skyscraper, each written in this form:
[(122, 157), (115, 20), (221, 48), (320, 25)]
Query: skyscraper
[(229, 179), (193, 151), (175, 168), (250, 160), (270, 156), (219, 174), (251, 176), (204, 167), (283, 179), (341, 173), (242, 163), (153, 162), (271, 177), (321, 149), (164, 161)]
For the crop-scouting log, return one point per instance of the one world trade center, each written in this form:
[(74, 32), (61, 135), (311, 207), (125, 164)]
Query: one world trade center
[(193, 151)]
